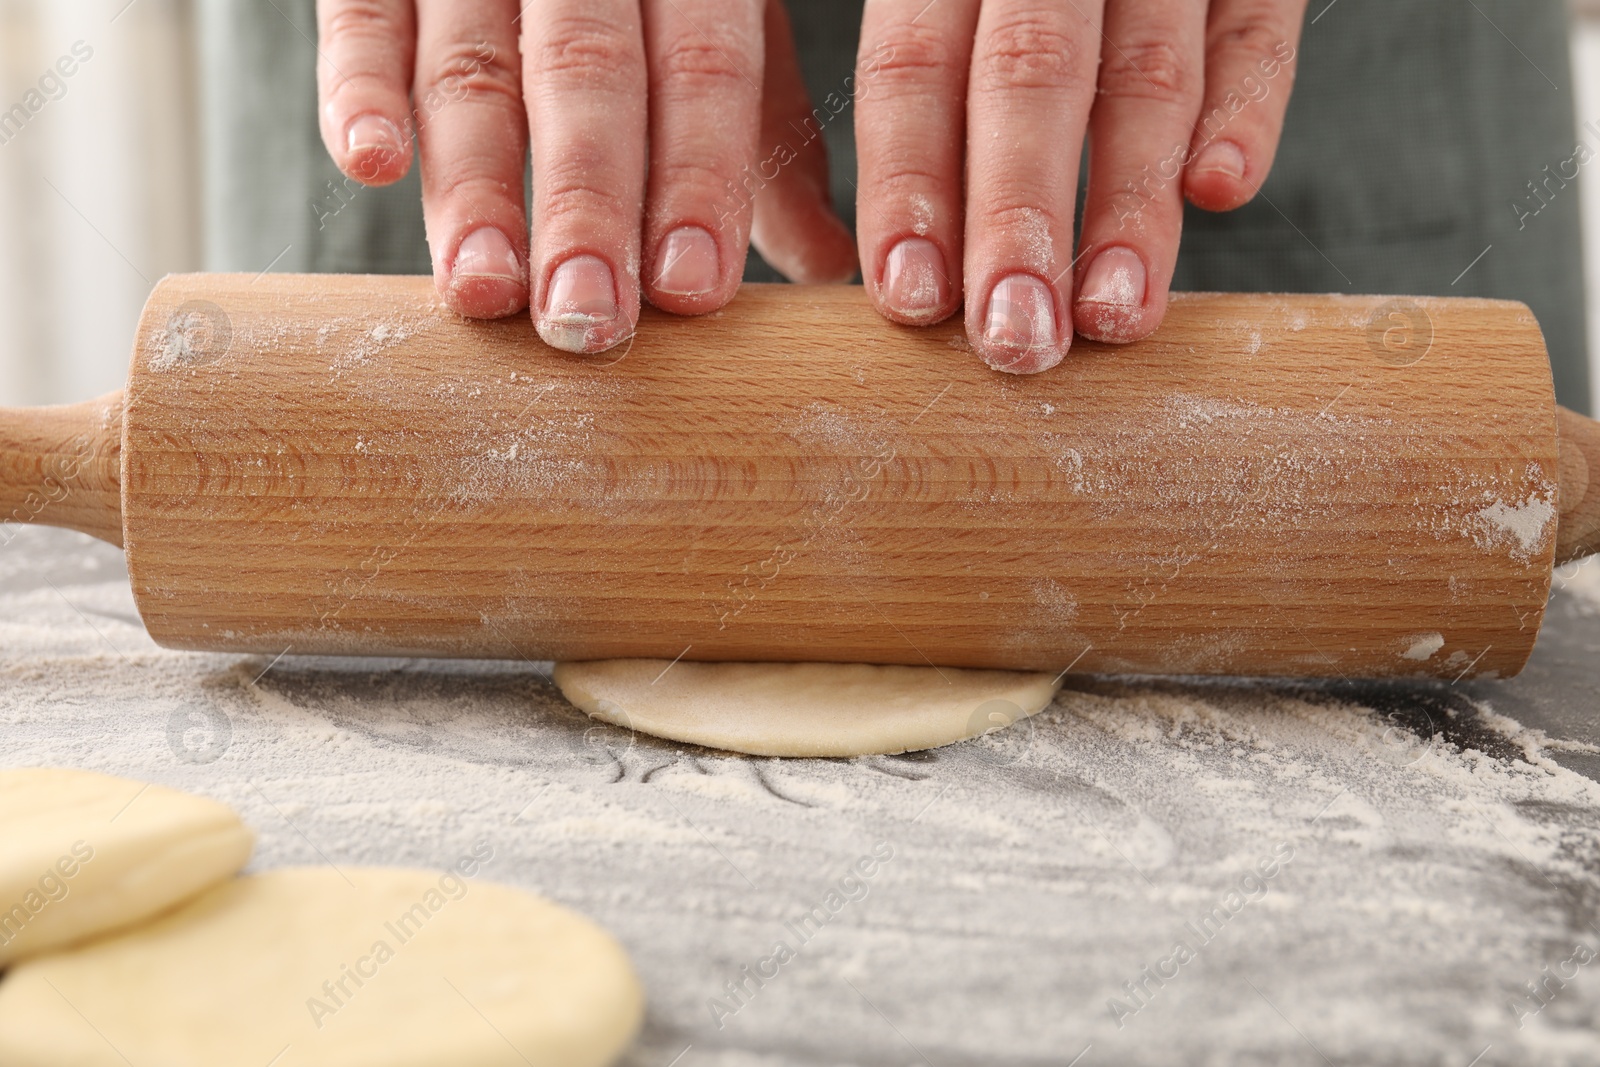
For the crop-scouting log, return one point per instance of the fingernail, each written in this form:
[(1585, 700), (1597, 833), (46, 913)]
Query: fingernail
[(487, 279), (915, 284), (1021, 323), (580, 300), (486, 253), (1116, 277), (372, 133), (1222, 157), (689, 265)]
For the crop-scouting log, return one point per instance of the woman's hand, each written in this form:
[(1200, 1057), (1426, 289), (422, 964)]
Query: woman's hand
[(970, 121), (593, 88)]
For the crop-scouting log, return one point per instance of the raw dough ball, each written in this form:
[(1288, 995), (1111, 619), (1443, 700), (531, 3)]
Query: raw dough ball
[(804, 709), (82, 853), (301, 968)]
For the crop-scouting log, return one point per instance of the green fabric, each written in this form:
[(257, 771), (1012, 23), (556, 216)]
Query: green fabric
[(273, 195), (1415, 128)]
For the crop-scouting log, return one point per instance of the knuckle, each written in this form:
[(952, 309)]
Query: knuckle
[(684, 175), (1253, 35), (903, 182), (362, 85), (1032, 51), (575, 185), (471, 181), (364, 38), (909, 54), (359, 20), (584, 50), (473, 72), (475, 176), (1149, 68), (698, 64), (582, 204), (1017, 214)]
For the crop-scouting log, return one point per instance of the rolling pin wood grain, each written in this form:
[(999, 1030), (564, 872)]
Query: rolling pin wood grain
[(1304, 485)]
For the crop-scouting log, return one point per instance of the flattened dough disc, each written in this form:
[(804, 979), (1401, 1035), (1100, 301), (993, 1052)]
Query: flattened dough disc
[(82, 853), (473, 975), (804, 709)]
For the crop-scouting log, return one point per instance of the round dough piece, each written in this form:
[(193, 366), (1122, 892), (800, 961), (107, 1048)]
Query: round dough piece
[(311, 967), (82, 853), (804, 709)]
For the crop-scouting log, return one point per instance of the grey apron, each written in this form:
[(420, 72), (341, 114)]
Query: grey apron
[(1414, 161)]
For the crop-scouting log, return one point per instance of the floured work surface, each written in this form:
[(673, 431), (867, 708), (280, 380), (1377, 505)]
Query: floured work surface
[(1366, 873)]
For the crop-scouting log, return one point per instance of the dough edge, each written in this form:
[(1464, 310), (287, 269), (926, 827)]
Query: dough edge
[(156, 851), (780, 719), (37, 1029)]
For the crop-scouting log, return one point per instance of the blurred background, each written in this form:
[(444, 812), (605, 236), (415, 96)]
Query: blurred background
[(103, 189), (99, 190), (1586, 88)]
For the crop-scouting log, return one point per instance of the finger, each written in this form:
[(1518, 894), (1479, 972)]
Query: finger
[(473, 135), (705, 112), (1151, 77), (911, 95), (1031, 87), (794, 226), (1250, 68), (583, 73), (364, 86)]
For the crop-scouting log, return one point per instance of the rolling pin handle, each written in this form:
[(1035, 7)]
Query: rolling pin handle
[(1579, 465), (62, 466)]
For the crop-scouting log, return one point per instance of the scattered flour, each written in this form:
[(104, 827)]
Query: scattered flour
[(1423, 646), (1232, 462), (197, 331), (1123, 288), (921, 214), (1440, 859), (351, 344), (511, 464), (1055, 601), (1527, 524), (837, 431), (1038, 249)]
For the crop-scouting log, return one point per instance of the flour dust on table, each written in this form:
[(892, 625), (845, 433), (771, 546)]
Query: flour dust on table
[(1161, 872)]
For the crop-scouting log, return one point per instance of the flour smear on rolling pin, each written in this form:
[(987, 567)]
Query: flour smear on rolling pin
[(1290, 450), (1280, 465), (494, 460), (1283, 467)]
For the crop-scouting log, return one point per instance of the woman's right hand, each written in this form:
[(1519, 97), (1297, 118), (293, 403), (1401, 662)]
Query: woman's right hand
[(651, 126)]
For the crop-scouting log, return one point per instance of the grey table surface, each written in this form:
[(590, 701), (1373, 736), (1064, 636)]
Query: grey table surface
[(1437, 846)]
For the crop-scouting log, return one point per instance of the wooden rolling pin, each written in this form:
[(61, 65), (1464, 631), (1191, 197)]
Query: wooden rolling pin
[(1308, 485)]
